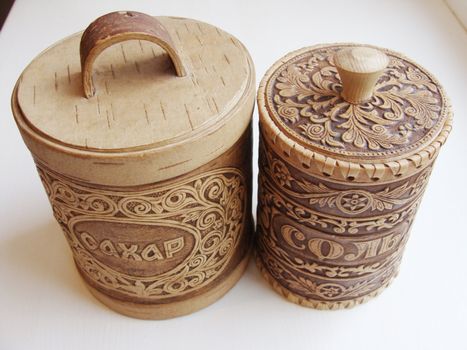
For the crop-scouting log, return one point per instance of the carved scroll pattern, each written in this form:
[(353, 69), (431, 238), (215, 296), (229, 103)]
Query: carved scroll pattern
[(321, 281), (377, 228), (305, 98), (211, 205), (350, 202)]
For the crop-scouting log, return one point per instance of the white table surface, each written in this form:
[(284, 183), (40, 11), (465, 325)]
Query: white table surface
[(44, 304)]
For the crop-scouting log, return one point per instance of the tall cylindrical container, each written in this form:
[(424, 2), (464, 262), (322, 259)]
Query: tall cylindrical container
[(349, 136), (140, 130)]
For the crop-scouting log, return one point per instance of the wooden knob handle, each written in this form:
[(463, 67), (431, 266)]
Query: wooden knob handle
[(120, 26), (359, 69)]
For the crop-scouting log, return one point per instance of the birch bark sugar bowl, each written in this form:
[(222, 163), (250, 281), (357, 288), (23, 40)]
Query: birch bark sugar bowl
[(140, 130), (348, 138)]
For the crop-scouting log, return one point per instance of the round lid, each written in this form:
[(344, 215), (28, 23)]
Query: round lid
[(133, 82), (353, 107)]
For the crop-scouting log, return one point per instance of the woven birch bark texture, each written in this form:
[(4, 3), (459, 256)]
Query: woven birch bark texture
[(348, 138)]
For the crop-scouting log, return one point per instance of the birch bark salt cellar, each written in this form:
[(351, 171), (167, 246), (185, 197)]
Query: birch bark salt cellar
[(349, 137)]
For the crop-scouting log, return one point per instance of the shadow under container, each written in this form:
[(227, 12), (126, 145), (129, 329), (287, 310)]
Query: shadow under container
[(348, 138), (140, 130)]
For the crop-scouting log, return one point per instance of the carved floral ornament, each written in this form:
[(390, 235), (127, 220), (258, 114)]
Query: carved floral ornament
[(326, 281), (211, 206), (405, 112), (351, 201)]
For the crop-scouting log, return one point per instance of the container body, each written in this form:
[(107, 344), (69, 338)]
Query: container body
[(349, 136), (164, 249), (330, 244), (145, 155)]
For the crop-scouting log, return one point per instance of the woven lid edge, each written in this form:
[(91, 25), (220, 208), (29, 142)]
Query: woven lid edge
[(347, 170)]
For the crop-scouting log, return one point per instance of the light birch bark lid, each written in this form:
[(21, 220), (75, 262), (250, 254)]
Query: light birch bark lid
[(141, 83), (353, 112)]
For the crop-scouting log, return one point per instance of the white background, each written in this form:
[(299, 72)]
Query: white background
[(44, 304)]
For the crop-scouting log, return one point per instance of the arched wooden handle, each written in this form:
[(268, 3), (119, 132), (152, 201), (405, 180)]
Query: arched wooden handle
[(120, 26)]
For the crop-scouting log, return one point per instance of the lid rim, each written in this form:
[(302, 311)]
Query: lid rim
[(338, 166), (205, 127), (212, 126), (122, 152)]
